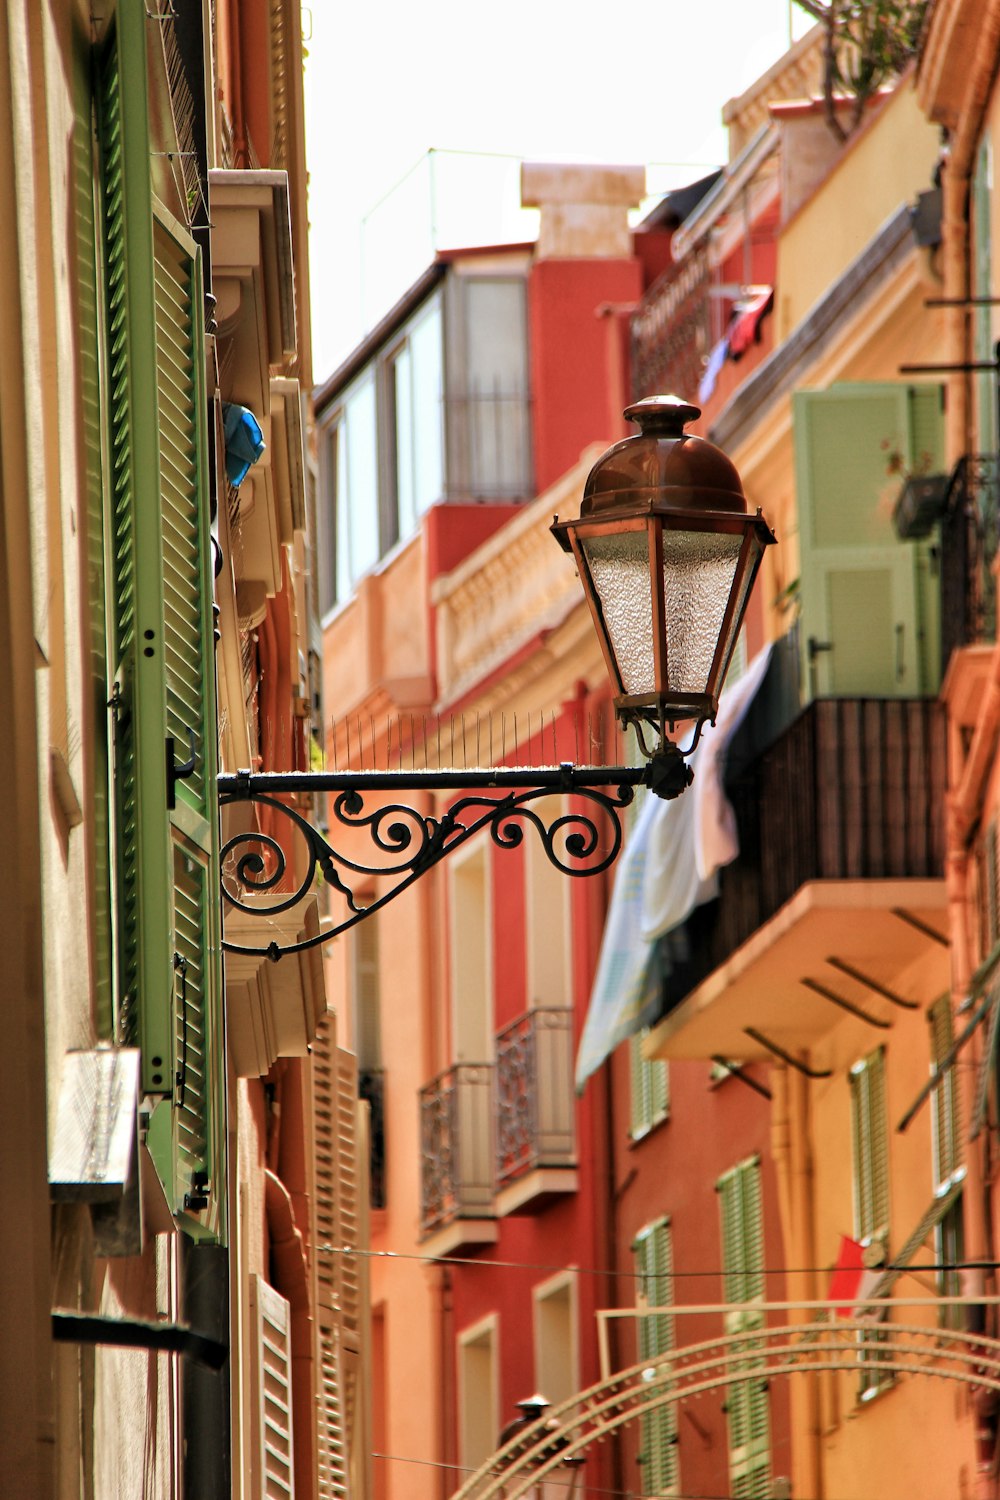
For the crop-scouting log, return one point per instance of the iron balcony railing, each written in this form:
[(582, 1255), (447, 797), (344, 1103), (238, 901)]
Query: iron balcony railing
[(371, 1087), (969, 529), (674, 329), (534, 1086), (852, 790), (489, 444), (456, 1146)]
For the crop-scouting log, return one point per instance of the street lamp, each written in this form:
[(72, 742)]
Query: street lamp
[(667, 554), (541, 1440)]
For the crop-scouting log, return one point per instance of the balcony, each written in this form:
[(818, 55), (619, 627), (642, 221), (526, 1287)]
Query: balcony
[(536, 1145), (969, 529), (673, 329), (456, 1159), (839, 875)]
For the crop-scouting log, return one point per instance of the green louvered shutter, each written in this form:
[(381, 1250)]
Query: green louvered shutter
[(654, 1288), (747, 1408), (142, 843), (947, 1150), (95, 638), (190, 712), (868, 600), (948, 1231), (649, 1089), (870, 1136), (162, 633)]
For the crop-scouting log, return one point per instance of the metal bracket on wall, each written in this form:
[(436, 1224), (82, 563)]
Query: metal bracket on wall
[(872, 984), (848, 1005), (392, 840), (786, 1057)]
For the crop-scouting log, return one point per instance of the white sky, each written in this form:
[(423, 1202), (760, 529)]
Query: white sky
[(544, 80)]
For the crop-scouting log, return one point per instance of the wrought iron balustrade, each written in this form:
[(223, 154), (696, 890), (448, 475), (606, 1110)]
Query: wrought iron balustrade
[(534, 1086), (456, 1146), (853, 790), (673, 330), (969, 533), (489, 443)]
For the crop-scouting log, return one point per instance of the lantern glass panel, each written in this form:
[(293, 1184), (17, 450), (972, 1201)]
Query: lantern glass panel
[(619, 568), (698, 572), (754, 555)]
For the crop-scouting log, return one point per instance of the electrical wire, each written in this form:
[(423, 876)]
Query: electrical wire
[(523, 1265)]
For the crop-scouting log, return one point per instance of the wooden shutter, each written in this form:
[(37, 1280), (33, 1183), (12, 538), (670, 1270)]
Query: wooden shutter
[(142, 854), (332, 1458), (867, 599), (273, 1476), (650, 1089), (947, 1150), (991, 889), (348, 1200), (747, 1406), (653, 1255), (871, 1147), (169, 974), (189, 689), (97, 687)]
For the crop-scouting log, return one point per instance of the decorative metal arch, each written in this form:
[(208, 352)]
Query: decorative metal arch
[(568, 1430), (403, 843)]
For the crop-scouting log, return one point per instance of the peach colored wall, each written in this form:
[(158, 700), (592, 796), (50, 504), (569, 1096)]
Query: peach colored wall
[(891, 159)]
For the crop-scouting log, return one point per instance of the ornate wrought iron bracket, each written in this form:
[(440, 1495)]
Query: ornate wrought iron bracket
[(386, 839)]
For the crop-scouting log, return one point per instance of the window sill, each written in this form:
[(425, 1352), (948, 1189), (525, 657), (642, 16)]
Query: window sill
[(636, 1137)]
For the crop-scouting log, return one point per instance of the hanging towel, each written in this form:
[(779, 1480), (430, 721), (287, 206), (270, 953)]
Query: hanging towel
[(627, 976), (716, 360)]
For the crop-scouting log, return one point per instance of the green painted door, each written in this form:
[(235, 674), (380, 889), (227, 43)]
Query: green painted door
[(868, 601)]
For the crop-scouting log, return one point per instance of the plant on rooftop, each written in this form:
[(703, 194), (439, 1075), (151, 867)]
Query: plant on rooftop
[(868, 43)]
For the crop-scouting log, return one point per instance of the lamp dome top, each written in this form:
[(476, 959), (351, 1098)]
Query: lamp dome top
[(663, 466)]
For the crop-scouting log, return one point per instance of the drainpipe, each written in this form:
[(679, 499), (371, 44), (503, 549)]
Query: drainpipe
[(793, 1165), (449, 1475)]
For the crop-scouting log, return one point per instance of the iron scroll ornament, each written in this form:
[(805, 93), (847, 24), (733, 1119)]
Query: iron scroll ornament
[(405, 843)]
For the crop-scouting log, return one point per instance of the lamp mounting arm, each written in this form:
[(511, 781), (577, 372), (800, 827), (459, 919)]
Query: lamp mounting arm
[(268, 868)]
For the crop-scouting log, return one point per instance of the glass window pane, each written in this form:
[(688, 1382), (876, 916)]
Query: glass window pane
[(362, 479), (427, 373)]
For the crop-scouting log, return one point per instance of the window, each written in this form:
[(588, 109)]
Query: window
[(653, 1254), (870, 1137), (413, 425), (487, 407), (556, 1353), (478, 1392), (366, 1032), (989, 881), (747, 1407), (982, 286), (472, 956), (381, 456), (869, 1133), (352, 474), (948, 1238), (650, 1088)]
